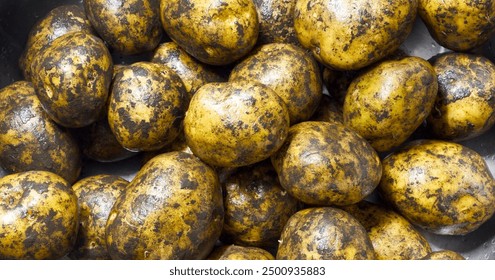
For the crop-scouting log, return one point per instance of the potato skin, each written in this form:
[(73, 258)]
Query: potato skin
[(459, 25), (443, 187), (465, 104), (290, 72), (392, 236), (445, 255), (325, 163), (369, 31), (38, 216), (387, 103), (73, 77), (146, 106), (30, 140), (172, 209), (129, 27), (214, 32), (324, 233), (233, 252), (235, 123), (276, 20)]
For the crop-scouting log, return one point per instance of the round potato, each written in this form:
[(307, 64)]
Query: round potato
[(349, 35), (72, 78), (233, 252), (445, 255), (324, 233), (276, 21), (129, 27), (325, 163), (442, 187), (172, 209), (290, 72), (465, 104), (30, 140), (459, 25), (146, 106), (236, 123), (214, 32), (38, 216), (329, 110), (387, 103), (392, 236)]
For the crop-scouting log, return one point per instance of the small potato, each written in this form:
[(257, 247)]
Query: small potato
[(387, 103), (38, 216), (465, 104), (214, 32), (392, 236), (233, 252), (324, 233), (276, 21), (445, 255), (290, 72), (442, 187), (329, 110), (325, 163)]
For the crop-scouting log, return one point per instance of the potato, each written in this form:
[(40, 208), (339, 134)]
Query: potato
[(236, 123), (459, 25), (325, 163), (256, 206), (349, 35), (72, 78), (387, 103), (38, 216), (96, 196), (233, 252), (172, 209), (290, 72), (444, 255), (324, 233), (392, 236), (129, 27), (276, 20), (329, 110), (214, 32), (442, 187), (30, 140), (146, 106), (59, 21), (465, 104)]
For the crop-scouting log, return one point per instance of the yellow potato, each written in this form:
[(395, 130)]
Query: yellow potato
[(233, 252)]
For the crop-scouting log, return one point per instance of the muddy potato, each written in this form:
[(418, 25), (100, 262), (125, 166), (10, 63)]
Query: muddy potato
[(324, 233), (96, 196), (387, 103), (147, 106), (256, 206), (290, 72), (325, 163), (276, 20), (445, 255), (392, 236), (214, 32), (129, 27), (235, 123), (349, 35), (459, 25), (442, 187), (38, 216), (30, 140), (465, 104), (172, 209), (329, 110), (233, 252)]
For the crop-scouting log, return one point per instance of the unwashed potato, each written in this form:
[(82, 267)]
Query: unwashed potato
[(276, 21), (129, 27), (30, 140), (214, 32), (443, 187), (233, 252), (235, 123), (445, 255), (324, 163), (38, 216), (465, 104), (387, 103), (349, 35), (459, 25), (290, 72), (392, 236), (72, 78), (324, 233), (172, 209)]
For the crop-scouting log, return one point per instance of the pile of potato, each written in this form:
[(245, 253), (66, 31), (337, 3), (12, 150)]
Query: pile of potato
[(243, 155)]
